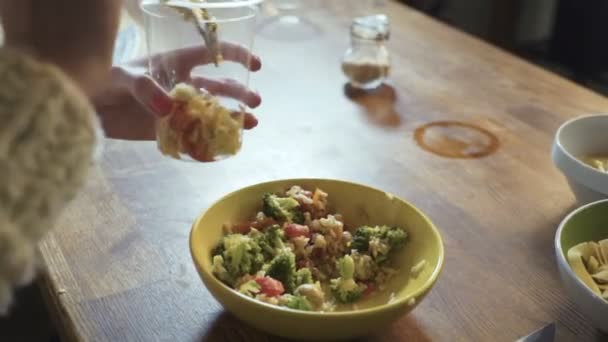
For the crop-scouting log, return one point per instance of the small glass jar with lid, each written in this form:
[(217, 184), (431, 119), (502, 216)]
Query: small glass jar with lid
[(367, 61)]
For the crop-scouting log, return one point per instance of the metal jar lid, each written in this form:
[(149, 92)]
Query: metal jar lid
[(371, 27)]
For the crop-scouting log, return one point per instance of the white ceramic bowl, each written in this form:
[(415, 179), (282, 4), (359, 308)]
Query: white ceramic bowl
[(579, 137), (587, 223)]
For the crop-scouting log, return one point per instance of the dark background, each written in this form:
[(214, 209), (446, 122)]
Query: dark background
[(565, 36)]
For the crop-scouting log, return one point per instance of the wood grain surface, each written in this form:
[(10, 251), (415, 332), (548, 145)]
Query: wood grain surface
[(118, 266)]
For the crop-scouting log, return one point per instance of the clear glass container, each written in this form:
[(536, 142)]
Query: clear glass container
[(367, 62), (206, 33)]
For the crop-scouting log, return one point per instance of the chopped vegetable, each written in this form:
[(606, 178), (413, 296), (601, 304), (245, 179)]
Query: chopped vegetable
[(283, 268), (296, 302), (379, 241), (270, 287), (282, 208), (250, 288), (344, 288), (303, 276), (240, 256)]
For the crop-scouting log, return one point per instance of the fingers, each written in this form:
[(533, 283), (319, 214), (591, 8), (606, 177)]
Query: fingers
[(152, 96), (186, 59), (237, 53), (144, 89), (228, 88), (249, 121)]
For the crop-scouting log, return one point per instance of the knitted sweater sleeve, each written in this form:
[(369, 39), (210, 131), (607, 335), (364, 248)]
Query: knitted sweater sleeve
[(48, 135)]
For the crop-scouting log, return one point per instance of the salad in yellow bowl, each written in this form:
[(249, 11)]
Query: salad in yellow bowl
[(296, 254), (385, 280)]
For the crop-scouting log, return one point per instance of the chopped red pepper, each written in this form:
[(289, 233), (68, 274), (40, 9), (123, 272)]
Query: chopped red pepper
[(241, 228), (270, 286)]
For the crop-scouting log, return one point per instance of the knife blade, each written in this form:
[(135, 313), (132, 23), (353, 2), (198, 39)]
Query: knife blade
[(544, 334)]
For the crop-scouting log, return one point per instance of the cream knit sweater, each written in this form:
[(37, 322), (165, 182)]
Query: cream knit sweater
[(48, 134)]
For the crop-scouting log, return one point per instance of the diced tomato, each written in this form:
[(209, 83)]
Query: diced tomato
[(269, 286), (371, 287), (293, 230), (241, 228)]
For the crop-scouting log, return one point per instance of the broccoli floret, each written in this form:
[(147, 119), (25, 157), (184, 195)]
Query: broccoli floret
[(303, 276), (220, 271), (283, 269), (361, 238), (270, 242), (345, 289), (250, 288), (389, 238), (263, 241), (396, 237), (298, 217), (282, 208), (365, 267), (218, 250), (241, 255), (296, 302), (276, 237)]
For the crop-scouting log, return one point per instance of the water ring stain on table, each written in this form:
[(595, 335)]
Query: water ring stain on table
[(455, 139)]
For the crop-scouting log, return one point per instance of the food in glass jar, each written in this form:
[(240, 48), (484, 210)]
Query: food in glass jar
[(365, 72), (199, 126)]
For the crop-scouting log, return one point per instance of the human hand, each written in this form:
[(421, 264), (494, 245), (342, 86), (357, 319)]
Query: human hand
[(132, 102)]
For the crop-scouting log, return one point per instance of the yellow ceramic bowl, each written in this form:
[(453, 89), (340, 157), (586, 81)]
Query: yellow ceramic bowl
[(360, 205)]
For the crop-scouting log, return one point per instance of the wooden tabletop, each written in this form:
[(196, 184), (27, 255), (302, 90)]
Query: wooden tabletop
[(118, 264)]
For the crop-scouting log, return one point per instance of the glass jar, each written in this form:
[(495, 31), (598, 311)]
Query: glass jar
[(367, 62), (205, 124)]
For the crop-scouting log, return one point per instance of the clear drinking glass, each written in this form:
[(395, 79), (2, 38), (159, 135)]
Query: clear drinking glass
[(167, 31)]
